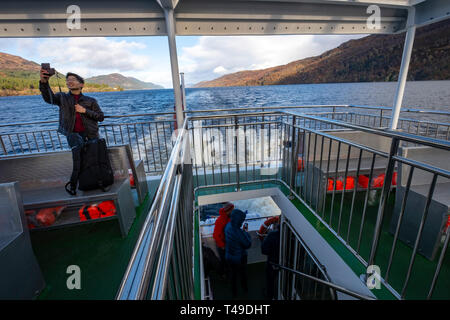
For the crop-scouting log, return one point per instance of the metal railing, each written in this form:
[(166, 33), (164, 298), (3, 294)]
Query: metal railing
[(338, 208), (297, 258), (300, 152), (161, 264), (305, 154), (150, 134)]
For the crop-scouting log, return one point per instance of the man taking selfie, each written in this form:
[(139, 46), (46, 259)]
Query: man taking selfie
[(78, 114)]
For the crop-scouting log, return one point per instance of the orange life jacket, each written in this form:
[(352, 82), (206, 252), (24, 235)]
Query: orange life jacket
[(43, 217), (349, 183), (363, 181), (394, 179), (330, 184), (378, 181), (339, 184), (300, 165), (96, 211), (131, 180)]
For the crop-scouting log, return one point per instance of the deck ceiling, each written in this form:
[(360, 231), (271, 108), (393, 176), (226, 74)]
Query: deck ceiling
[(48, 18)]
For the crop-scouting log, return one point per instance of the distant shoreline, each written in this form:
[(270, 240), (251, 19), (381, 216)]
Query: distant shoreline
[(317, 83), (36, 92)]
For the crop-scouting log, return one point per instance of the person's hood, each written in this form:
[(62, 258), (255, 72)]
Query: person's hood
[(225, 210), (237, 218)]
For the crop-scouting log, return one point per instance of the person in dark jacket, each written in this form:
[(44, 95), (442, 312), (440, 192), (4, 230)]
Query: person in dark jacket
[(219, 233), (271, 247), (78, 114), (237, 241)]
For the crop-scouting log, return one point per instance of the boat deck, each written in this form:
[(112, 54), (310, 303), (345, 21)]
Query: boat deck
[(97, 248), (103, 255)]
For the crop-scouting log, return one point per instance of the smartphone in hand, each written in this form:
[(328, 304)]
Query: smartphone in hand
[(245, 227)]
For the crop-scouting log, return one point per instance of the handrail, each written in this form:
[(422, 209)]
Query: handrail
[(436, 143), (299, 128), (106, 117), (326, 283), (135, 282), (381, 108), (410, 110)]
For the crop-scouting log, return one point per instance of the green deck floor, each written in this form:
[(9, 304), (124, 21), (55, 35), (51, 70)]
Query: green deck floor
[(221, 287), (103, 255), (97, 248)]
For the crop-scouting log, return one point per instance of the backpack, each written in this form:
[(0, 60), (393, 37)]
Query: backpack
[(91, 167)]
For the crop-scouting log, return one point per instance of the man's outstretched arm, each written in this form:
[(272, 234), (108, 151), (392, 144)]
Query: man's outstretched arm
[(46, 91)]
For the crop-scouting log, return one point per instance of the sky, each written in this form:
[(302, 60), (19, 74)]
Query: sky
[(147, 58)]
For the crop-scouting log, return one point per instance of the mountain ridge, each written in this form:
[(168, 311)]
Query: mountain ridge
[(372, 58), (19, 76), (127, 83)]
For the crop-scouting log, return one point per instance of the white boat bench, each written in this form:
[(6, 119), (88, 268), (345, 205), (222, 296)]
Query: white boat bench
[(42, 178)]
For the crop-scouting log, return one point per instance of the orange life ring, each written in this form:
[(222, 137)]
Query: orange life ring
[(266, 225)]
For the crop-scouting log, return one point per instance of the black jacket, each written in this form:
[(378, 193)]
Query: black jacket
[(66, 103), (271, 246)]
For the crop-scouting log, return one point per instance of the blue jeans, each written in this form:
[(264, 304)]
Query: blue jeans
[(76, 139)]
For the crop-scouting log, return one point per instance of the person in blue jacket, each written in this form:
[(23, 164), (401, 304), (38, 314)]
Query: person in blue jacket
[(237, 241)]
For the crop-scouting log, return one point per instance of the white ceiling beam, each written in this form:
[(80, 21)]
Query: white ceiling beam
[(47, 18), (392, 3), (432, 11)]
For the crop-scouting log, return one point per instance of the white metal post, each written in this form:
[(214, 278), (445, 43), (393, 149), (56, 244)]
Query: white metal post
[(406, 57), (183, 91), (170, 26)]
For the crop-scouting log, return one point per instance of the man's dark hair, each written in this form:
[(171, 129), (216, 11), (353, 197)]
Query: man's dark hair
[(80, 79)]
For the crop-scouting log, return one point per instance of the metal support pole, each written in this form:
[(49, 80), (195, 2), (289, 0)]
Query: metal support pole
[(236, 151), (170, 26), (183, 91), (294, 156), (383, 199), (406, 57)]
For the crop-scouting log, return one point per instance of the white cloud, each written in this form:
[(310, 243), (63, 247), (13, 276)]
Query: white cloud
[(208, 58), (220, 70), (93, 56), (216, 55)]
